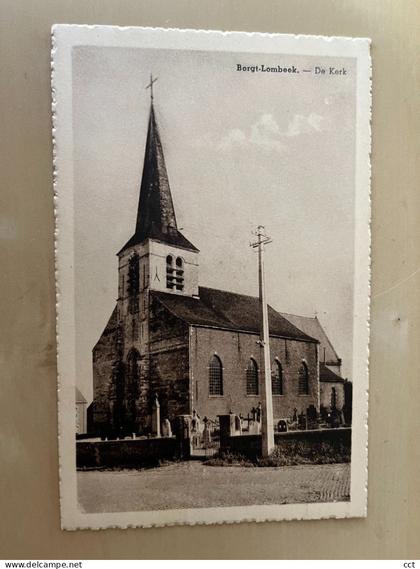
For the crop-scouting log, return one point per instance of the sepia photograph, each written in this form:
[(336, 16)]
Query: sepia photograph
[(212, 257)]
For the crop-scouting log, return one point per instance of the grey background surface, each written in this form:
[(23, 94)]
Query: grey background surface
[(29, 483)]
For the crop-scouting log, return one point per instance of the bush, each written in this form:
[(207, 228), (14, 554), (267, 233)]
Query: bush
[(297, 453), (292, 453), (224, 458)]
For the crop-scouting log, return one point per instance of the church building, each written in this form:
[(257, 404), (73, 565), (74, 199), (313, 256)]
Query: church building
[(195, 348)]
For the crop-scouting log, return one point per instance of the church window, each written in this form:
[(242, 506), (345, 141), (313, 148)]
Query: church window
[(333, 398), (132, 381), (277, 378), (170, 272), (135, 329), (133, 283), (252, 378), (174, 273), (286, 352), (179, 274), (215, 376), (303, 385), (133, 359), (118, 378)]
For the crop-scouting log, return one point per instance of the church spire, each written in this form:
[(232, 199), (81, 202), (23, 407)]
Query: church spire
[(156, 210), (156, 215)]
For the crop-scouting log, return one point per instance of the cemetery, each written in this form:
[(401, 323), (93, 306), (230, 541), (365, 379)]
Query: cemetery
[(305, 438)]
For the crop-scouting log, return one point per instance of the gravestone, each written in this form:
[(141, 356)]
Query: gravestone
[(156, 417), (312, 417), (182, 427), (302, 422), (166, 428), (206, 433), (282, 426)]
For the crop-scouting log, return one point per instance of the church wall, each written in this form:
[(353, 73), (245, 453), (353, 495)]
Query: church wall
[(157, 268), (169, 380), (103, 355), (160, 342), (169, 361), (152, 269), (235, 349)]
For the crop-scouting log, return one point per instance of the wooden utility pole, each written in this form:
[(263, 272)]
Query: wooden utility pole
[(267, 426)]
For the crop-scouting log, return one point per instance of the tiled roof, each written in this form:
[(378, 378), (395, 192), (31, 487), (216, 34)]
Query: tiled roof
[(171, 236), (229, 311), (312, 327), (326, 375)]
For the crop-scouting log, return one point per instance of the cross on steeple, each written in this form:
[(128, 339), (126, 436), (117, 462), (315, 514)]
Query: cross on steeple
[(156, 214), (150, 86)]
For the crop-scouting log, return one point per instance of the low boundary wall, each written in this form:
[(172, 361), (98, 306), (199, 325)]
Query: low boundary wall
[(250, 446), (125, 453)]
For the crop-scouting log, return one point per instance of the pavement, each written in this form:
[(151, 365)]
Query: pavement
[(192, 484)]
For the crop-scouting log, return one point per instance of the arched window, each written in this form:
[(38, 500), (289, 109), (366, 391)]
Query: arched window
[(118, 378), (333, 398), (179, 274), (133, 368), (133, 283), (132, 386), (170, 272), (252, 378), (303, 379), (277, 378), (215, 376)]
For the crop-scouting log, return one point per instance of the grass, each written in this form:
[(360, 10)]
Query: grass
[(295, 453), (225, 458)]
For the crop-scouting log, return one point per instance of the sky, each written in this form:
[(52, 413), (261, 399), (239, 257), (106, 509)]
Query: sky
[(241, 149)]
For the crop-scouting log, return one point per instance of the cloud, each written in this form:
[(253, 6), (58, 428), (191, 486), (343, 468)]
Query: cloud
[(266, 132), (301, 124), (235, 137)]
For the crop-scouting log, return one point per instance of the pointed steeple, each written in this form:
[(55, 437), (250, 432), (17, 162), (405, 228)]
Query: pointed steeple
[(156, 209), (156, 215)]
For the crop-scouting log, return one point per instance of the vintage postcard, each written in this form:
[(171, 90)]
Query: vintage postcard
[(212, 256)]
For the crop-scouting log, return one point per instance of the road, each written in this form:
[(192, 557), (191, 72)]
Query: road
[(194, 485)]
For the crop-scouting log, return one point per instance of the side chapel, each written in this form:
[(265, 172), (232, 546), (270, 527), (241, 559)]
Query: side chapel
[(194, 347)]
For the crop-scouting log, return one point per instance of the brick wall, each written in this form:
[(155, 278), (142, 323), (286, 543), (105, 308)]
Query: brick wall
[(103, 357), (169, 379), (174, 347), (169, 362), (250, 445), (234, 349), (164, 370)]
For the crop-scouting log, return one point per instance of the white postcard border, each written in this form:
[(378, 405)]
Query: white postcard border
[(65, 38)]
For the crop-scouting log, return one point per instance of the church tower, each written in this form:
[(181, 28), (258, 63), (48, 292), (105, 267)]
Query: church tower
[(156, 258)]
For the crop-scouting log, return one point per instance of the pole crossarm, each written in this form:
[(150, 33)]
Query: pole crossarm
[(263, 239)]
